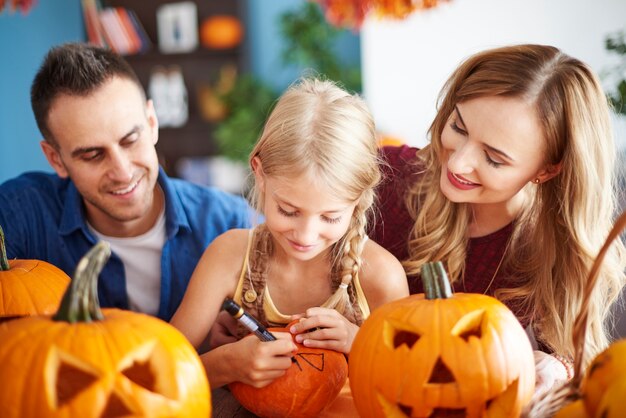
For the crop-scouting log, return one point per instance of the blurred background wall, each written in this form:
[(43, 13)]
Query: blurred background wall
[(406, 62), (24, 40)]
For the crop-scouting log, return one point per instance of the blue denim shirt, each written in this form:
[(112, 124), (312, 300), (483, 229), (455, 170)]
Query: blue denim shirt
[(43, 218)]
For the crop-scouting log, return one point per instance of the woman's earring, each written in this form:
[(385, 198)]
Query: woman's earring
[(537, 180)]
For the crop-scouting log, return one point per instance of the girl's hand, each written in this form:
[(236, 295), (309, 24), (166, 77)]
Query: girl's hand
[(324, 328), (258, 363), (548, 372)]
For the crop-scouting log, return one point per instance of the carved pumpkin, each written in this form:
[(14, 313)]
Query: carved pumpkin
[(605, 371), (28, 287), (86, 362), (221, 32), (311, 383), (438, 354)]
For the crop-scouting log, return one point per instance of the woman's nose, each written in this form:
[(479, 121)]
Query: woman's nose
[(463, 159)]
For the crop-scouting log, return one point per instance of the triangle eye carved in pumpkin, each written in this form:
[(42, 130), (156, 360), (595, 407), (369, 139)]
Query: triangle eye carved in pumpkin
[(470, 325), (66, 377), (71, 381), (141, 374), (397, 336)]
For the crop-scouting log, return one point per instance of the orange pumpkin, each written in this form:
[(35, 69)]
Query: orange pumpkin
[(28, 287), (574, 409), (86, 362), (438, 354), (221, 32), (607, 369), (310, 384)]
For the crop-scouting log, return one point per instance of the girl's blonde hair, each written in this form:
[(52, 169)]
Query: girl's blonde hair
[(559, 233), (319, 129)]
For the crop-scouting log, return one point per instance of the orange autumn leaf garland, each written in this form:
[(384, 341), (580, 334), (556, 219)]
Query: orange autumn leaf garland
[(351, 13)]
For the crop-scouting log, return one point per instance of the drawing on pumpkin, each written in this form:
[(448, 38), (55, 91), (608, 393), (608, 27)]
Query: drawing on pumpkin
[(315, 360)]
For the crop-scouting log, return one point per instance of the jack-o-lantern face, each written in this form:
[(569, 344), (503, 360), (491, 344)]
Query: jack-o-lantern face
[(126, 365), (310, 384), (86, 362), (605, 371), (465, 356)]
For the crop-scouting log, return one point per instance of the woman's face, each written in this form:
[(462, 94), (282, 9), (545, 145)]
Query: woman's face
[(492, 147)]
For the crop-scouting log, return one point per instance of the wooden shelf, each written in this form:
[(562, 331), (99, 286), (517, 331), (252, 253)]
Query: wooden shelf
[(199, 67)]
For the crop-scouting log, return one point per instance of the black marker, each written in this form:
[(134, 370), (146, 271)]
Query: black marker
[(247, 320), (250, 322)]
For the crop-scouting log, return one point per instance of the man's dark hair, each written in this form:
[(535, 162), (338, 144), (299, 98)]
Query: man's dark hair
[(76, 69)]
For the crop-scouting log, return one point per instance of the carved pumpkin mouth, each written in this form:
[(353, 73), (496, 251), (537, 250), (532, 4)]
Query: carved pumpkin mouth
[(494, 407), (398, 410)]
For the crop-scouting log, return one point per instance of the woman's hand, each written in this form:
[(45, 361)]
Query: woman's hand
[(548, 372), (222, 332), (324, 328)]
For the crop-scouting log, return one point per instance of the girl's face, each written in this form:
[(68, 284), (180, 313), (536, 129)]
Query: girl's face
[(304, 216), (492, 147)]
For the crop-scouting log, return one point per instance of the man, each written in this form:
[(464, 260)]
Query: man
[(99, 137)]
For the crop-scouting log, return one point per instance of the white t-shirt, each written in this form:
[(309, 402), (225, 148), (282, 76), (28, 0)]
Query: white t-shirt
[(141, 257)]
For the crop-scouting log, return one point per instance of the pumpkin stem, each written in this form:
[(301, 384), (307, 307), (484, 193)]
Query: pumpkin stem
[(4, 262), (80, 302), (435, 281)]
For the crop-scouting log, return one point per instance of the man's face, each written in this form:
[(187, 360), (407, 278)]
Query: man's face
[(106, 147)]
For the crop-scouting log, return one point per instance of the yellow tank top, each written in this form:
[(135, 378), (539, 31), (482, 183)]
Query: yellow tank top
[(253, 294)]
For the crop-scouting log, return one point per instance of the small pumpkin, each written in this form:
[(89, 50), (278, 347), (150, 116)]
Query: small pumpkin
[(606, 370), (310, 384), (438, 354), (28, 287), (221, 32), (86, 362)]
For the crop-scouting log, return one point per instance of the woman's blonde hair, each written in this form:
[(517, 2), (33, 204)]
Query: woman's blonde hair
[(319, 129), (559, 233)]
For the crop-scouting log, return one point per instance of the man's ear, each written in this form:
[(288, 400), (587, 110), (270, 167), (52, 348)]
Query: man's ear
[(54, 158), (257, 169), (153, 121), (550, 171)]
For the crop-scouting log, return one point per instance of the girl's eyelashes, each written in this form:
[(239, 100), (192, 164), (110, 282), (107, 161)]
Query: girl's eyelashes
[(325, 218), (331, 220), (286, 213)]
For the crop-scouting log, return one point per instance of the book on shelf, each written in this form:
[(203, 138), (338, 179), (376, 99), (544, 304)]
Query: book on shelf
[(115, 27)]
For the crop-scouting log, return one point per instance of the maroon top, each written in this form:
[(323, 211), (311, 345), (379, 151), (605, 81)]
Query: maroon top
[(394, 224)]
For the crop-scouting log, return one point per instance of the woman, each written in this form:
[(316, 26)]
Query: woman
[(515, 193)]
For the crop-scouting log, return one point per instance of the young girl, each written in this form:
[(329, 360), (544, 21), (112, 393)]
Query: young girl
[(315, 169)]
